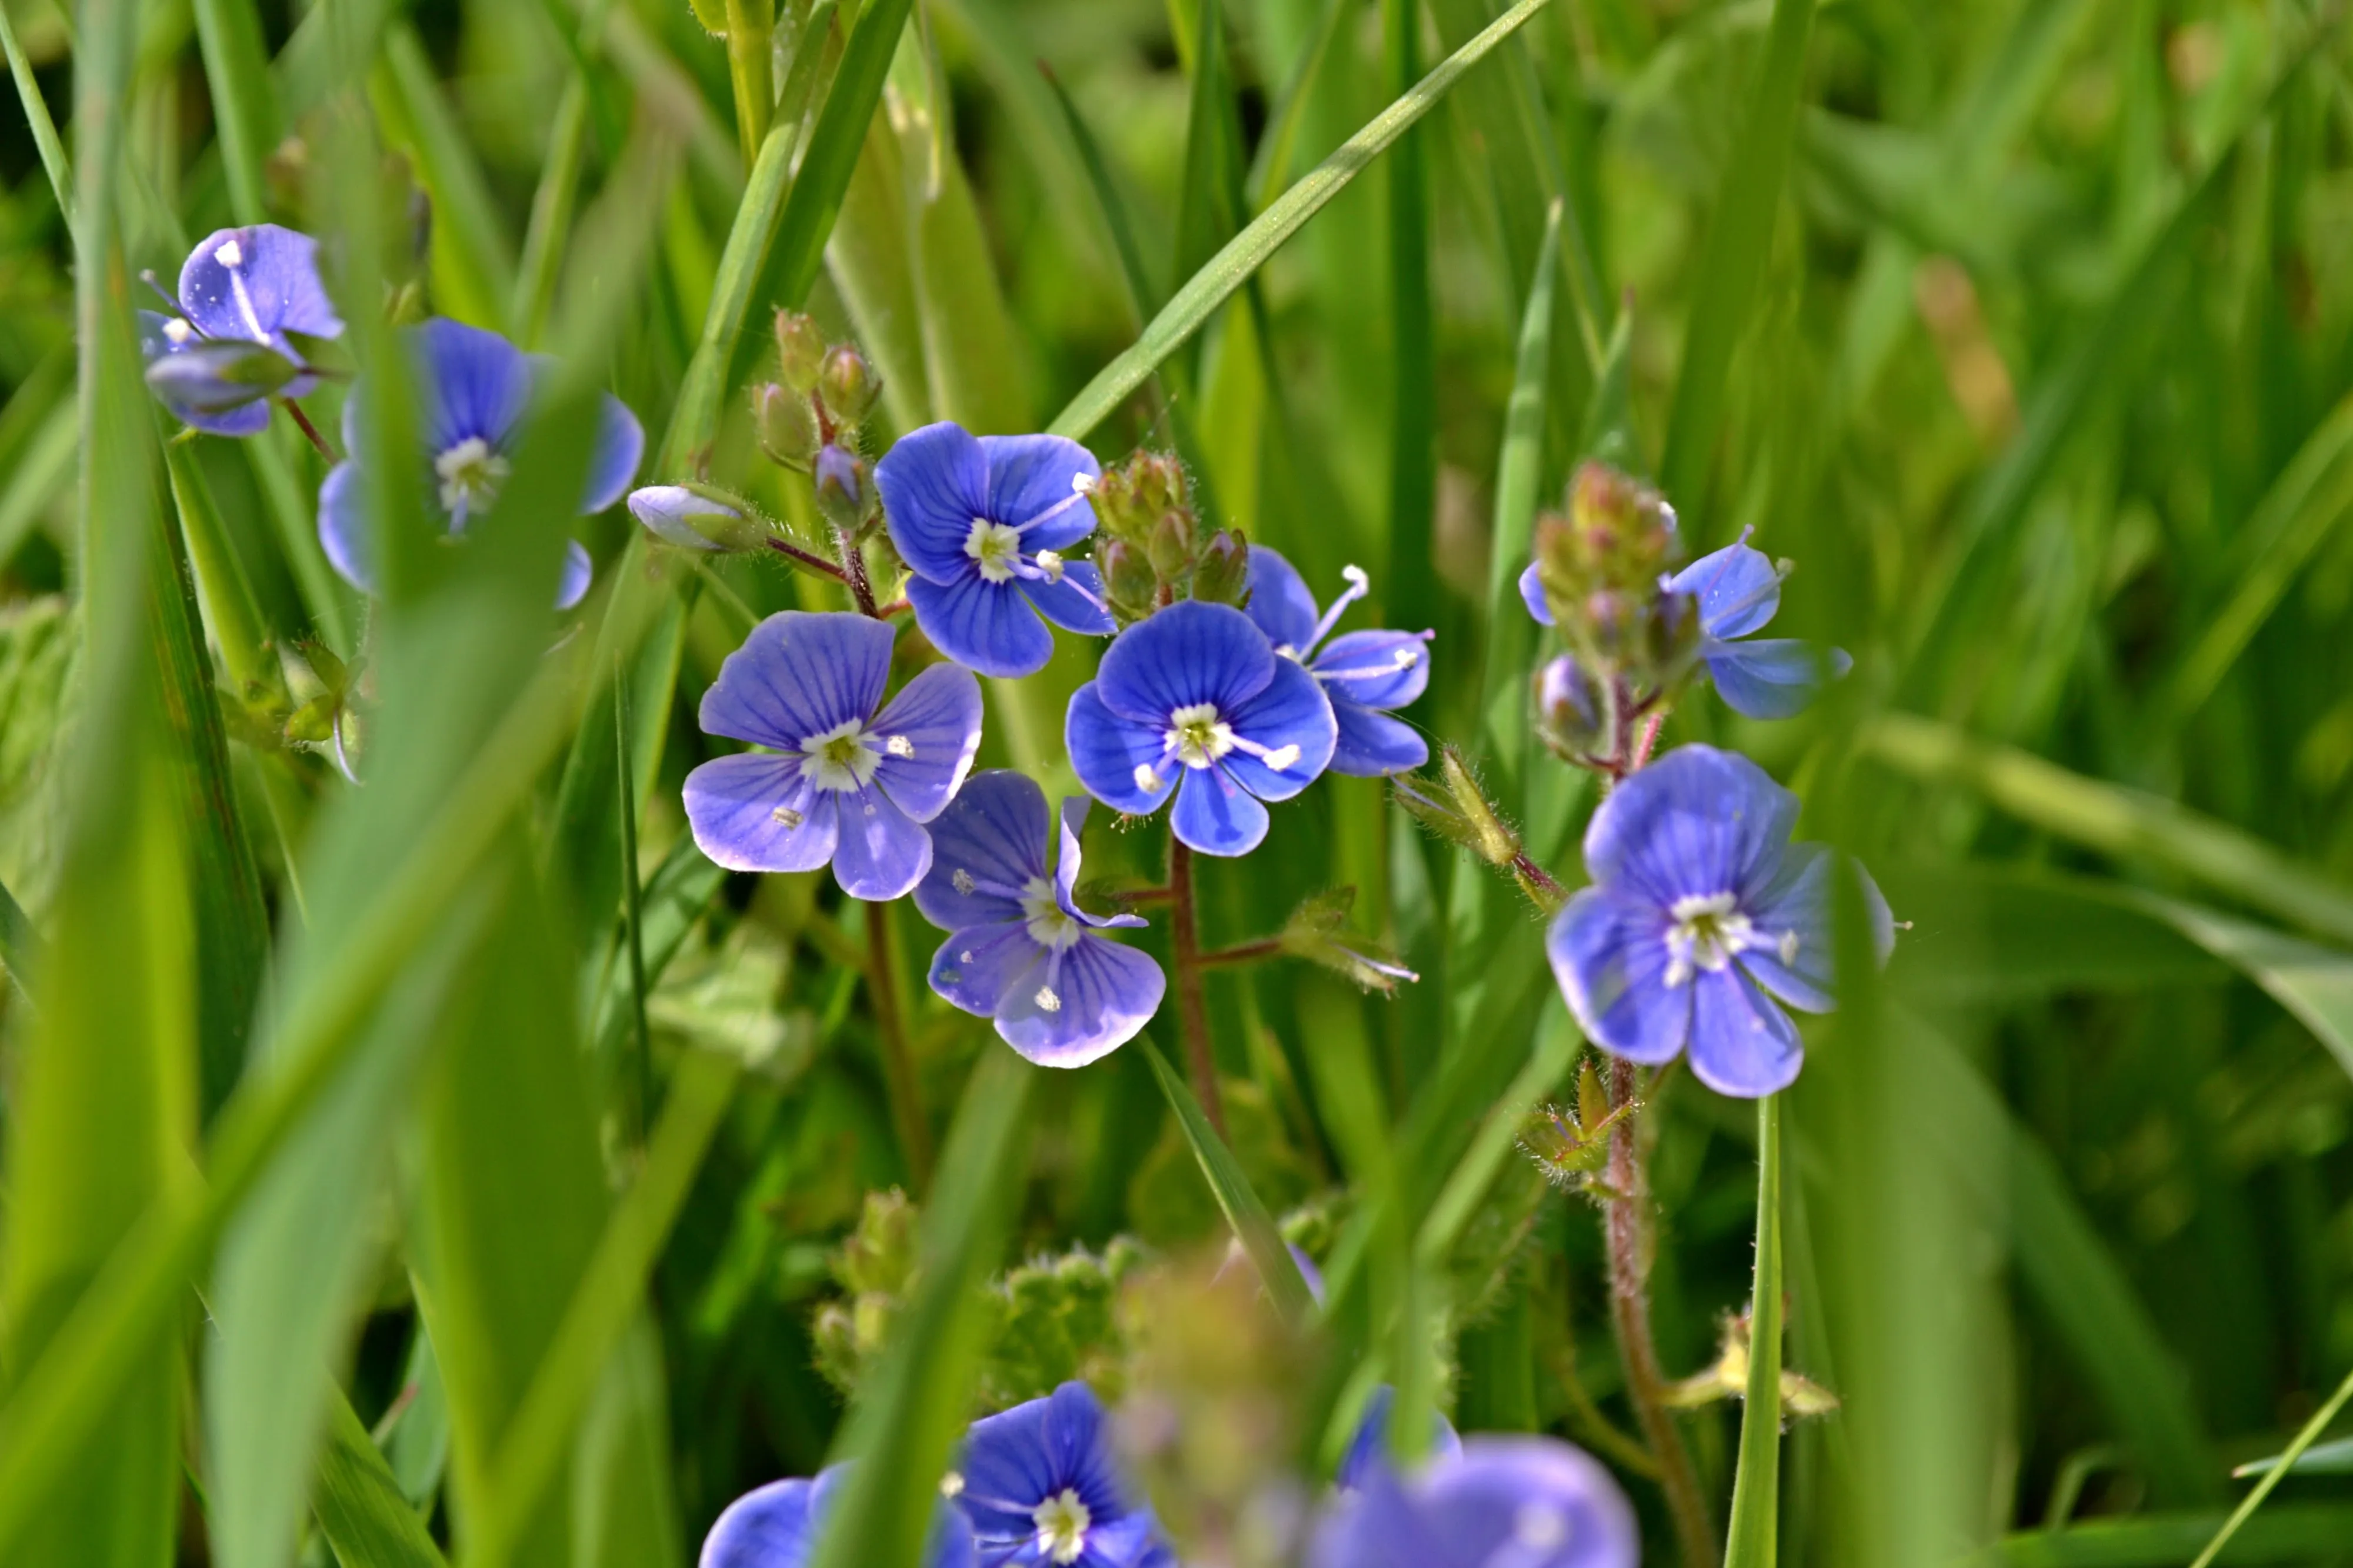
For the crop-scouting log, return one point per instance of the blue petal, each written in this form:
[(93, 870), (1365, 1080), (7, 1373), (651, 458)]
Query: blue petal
[(1772, 678), (732, 805), (883, 853), (343, 530), (767, 1528), (1379, 1525), (1696, 822), (1798, 903), (937, 714), (247, 419), (1610, 956), (1088, 1000), (1066, 870), (799, 674), (1076, 603), (1532, 595), (1373, 745), (572, 587), (1375, 669), (667, 509), (1280, 604), (1487, 1504), (1370, 1447), (1015, 1460), (978, 969), (613, 461), (983, 626), (1292, 711), (1737, 588), (1217, 816), (992, 836), (475, 384), (1190, 652), (933, 483), (1029, 476), (279, 270), (1107, 748), (1742, 1044)]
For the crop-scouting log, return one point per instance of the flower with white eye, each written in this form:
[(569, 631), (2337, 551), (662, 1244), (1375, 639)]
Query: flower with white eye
[(241, 292), (1365, 674), (1043, 1489)]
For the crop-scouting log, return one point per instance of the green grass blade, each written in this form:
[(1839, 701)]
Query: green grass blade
[(2301, 1535), (2313, 983), (325, 595), (1141, 290), (244, 98), (230, 612), (1270, 168), (1504, 701), (474, 269), (2272, 1478), (551, 213), (1752, 1537), (330, 47), (2320, 1459), (1412, 594), (1467, 1185), (39, 476), (1733, 260), (37, 115), (366, 1520), (1216, 282)]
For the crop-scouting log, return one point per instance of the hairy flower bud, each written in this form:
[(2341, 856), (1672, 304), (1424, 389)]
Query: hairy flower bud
[(800, 350), (787, 424), (1572, 713), (1222, 577), (845, 490), (1128, 579), (1170, 546), (849, 385), (1131, 498)]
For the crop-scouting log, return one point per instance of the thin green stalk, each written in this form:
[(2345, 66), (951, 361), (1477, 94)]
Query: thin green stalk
[(899, 1082), (1413, 593), (751, 25), (229, 610), (1192, 1013), (1753, 1538), (551, 212), (2254, 1499), (632, 909)]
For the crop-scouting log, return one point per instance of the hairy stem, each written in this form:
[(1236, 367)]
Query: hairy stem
[(898, 1062), (1627, 1226), (814, 561), (1192, 1014), (1240, 953)]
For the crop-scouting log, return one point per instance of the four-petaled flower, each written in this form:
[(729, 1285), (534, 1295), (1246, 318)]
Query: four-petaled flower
[(475, 388), (839, 781), (778, 1525), (1042, 1490), (1019, 948), (1362, 672), (983, 522), (1502, 1502), (1196, 691), (240, 286), (1700, 906), (1738, 591)]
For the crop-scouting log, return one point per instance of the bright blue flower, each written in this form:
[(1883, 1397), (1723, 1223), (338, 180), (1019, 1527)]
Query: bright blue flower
[(778, 1525), (982, 521), (475, 388), (1042, 1490), (1700, 906), (1019, 948), (1196, 691), (1362, 672), (251, 285), (1368, 1450), (1738, 591), (839, 782), (1502, 1502)]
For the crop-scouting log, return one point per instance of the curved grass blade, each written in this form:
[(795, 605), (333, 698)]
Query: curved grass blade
[(1752, 1537), (2300, 1534), (1216, 282), (244, 99), (2320, 1459), (475, 268), (1414, 597), (2272, 1478), (1142, 292), (1519, 468), (37, 115), (358, 1502)]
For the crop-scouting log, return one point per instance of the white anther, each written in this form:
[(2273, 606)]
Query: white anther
[(951, 1485), (1050, 1003), (787, 816), (179, 331), (230, 254), (1148, 779), (962, 881), (900, 746), (1051, 563), (1280, 758)]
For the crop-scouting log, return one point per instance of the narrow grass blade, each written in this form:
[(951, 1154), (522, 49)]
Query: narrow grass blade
[(2298, 1534), (1270, 168), (694, 417), (1412, 594), (1752, 1539), (1206, 212), (366, 1520), (1141, 290), (1253, 1226), (244, 99), (474, 269), (325, 595), (39, 476), (1467, 1185), (2313, 983), (2320, 1459), (230, 612), (551, 213), (37, 115), (329, 49), (2272, 1478), (1519, 471), (751, 29), (1215, 283), (1733, 260)]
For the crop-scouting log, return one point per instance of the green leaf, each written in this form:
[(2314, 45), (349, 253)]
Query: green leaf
[(474, 262), (244, 99), (2304, 1533), (1141, 290), (1216, 282), (366, 1520), (1752, 1539)]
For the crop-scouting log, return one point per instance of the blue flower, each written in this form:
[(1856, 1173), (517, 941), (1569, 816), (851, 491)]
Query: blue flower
[(1502, 1502), (239, 286), (1362, 672), (1019, 948), (475, 388), (669, 510), (982, 521), (1368, 1450), (1738, 591), (1701, 912), (777, 1526), (1196, 692), (839, 782), (1042, 1490)]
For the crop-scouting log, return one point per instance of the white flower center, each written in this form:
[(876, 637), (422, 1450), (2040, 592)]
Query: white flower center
[(1048, 926), (994, 547), (839, 760), (1062, 1522), (1708, 931), (470, 474), (1198, 735)]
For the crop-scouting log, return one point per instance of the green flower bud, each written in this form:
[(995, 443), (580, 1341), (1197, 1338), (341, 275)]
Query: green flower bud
[(788, 424), (1128, 579), (1223, 575), (1170, 546), (845, 492), (800, 350), (849, 385)]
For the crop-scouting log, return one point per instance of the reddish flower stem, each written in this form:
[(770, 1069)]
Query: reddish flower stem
[(1192, 1012)]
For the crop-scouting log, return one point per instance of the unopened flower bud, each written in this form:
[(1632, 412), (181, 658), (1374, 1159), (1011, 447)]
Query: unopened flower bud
[(693, 521), (843, 491), (1128, 578), (216, 375), (1133, 495), (1488, 834), (1672, 637), (800, 350), (1170, 546), (1571, 713), (849, 385), (787, 423), (1223, 575)]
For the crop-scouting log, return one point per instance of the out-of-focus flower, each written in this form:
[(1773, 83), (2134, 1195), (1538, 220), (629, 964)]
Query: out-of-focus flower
[(1738, 590), (1042, 1489), (839, 782), (474, 388), (1019, 949), (1368, 1450), (1364, 673), (982, 521), (777, 1526), (1701, 913), (1502, 1502), (242, 291), (1196, 692)]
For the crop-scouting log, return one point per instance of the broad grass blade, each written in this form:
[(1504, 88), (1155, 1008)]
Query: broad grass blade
[(244, 99), (473, 260), (361, 1511), (1253, 1226)]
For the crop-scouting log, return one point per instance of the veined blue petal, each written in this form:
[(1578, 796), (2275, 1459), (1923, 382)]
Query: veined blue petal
[(1373, 745), (1770, 677), (1737, 588), (1375, 669), (1066, 870), (883, 853), (983, 626), (1291, 712), (978, 969), (1188, 653), (1696, 822), (1216, 816), (985, 849), (1107, 748), (1793, 915), (1742, 1044), (1076, 604), (799, 674), (475, 384), (1280, 603), (754, 812), (1532, 595), (1087, 1000), (929, 733), (613, 461), (934, 483), (1013, 1461), (271, 289), (1608, 954), (1029, 476), (343, 530)]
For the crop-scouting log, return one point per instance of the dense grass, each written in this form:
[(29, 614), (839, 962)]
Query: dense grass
[(2023, 327)]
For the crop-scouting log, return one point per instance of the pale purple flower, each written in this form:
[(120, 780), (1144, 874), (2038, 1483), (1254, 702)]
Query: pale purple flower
[(778, 1525), (245, 286), (1502, 1503)]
